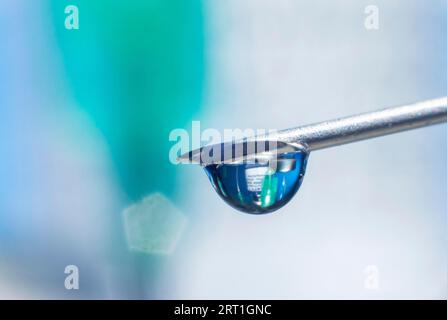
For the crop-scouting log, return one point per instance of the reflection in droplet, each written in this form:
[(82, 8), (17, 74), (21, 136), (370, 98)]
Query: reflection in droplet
[(262, 185)]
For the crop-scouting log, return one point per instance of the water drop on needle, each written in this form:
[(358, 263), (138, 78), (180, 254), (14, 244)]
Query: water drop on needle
[(262, 185)]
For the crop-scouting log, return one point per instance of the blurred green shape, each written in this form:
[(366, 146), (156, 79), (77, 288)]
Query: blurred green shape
[(136, 67), (269, 190)]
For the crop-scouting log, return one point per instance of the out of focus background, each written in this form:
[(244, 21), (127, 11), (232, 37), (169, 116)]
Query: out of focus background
[(85, 176)]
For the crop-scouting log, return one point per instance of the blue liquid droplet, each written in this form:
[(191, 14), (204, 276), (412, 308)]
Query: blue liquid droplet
[(260, 186)]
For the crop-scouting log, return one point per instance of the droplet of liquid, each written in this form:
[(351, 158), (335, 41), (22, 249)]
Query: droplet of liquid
[(262, 185)]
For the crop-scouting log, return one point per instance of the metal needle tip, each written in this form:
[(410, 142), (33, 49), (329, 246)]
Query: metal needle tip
[(326, 134)]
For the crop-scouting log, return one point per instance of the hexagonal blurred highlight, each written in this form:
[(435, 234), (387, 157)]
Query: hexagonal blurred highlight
[(153, 225)]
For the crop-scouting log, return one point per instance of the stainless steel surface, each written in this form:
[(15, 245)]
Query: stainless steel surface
[(368, 125), (343, 130)]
